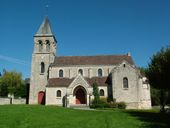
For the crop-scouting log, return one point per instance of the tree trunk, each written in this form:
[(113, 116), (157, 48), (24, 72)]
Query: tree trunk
[(162, 100)]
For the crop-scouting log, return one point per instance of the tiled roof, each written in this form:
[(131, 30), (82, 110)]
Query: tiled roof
[(91, 60), (65, 82), (101, 81), (59, 82)]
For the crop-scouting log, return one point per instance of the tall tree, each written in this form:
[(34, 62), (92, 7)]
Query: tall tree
[(10, 83), (158, 73), (96, 93)]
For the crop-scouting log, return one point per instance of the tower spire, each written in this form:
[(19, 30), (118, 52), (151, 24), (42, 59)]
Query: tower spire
[(45, 28)]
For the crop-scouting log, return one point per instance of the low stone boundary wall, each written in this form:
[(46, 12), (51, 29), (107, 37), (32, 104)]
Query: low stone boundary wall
[(19, 101), (7, 100), (4, 101)]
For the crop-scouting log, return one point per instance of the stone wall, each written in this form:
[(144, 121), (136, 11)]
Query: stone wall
[(88, 70), (51, 97), (5, 101), (120, 93)]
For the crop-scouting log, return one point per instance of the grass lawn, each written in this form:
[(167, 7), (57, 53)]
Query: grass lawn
[(30, 116)]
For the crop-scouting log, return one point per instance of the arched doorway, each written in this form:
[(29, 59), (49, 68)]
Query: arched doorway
[(80, 94), (41, 97)]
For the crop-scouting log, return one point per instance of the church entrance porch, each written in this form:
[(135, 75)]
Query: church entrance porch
[(80, 95)]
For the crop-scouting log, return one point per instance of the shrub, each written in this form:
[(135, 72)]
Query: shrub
[(121, 105), (103, 99), (102, 103), (113, 105)]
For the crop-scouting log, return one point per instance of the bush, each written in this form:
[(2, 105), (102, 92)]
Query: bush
[(102, 103), (121, 105), (113, 105)]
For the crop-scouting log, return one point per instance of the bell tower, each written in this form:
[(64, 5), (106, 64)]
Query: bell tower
[(43, 55)]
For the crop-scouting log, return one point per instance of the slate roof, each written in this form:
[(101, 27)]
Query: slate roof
[(65, 82), (91, 60)]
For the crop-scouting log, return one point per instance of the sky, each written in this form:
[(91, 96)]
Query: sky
[(84, 27)]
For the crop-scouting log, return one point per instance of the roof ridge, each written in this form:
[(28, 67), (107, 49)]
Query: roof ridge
[(94, 55)]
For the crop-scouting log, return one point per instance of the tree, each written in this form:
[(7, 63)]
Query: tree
[(158, 73), (155, 93), (11, 83), (96, 94)]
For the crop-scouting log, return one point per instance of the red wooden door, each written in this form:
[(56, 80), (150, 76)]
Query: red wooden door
[(41, 97), (80, 96)]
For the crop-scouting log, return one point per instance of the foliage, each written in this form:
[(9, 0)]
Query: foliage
[(158, 73), (142, 70), (21, 91), (100, 104), (110, 99), (155, 93), (103, 103), (113, 105), (96, 94), (12, 83), (155, 96), (121, 105)]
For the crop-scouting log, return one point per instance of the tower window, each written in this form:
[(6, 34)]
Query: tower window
[(48, 45), (58, 93), (60, 73), (125, 82), (80, 71), (40, 46), (101, 92), (100, 73), (42, 67)]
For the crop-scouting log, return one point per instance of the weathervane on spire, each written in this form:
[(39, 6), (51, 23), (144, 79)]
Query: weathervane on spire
[(46, 7)]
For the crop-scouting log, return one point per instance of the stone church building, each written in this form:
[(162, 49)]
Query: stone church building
[(68, 80)]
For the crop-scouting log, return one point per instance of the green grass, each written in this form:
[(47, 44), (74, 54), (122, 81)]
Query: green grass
[(30, 116)]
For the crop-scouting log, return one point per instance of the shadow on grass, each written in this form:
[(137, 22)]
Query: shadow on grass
[(152, 119)]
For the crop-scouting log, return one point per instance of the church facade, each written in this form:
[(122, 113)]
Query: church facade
[(68, 80)]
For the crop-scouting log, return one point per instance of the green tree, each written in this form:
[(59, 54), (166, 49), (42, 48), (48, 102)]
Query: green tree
[(158, 73), (96, 94), (155, 93), (11, 83)]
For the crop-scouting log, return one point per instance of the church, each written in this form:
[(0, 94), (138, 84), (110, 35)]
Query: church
[(68, 80)]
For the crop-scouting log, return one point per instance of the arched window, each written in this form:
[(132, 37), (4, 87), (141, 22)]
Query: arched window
[(100, 72), (60, 73), (58, 93), (48, 45), (42, 67), (101, 92), (80, 71), (40, 46), (125, 82)]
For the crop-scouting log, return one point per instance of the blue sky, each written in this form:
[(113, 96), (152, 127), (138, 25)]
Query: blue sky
[(84, 27)]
